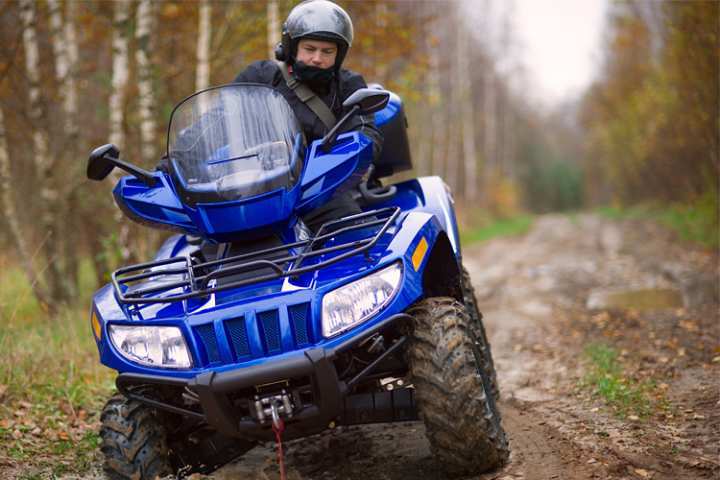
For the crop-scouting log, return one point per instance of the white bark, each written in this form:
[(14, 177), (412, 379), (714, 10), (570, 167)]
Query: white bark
[(146, 100), (438, 105), (202, 77), (453, 112), (32, 67), (467, 116), (65, 49), (273, 27), (44, 170), (121, 18)]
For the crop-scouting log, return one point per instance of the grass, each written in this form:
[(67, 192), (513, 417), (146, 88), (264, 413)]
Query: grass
[(606, 379), (695, 221), (52, 385), (513, 226)]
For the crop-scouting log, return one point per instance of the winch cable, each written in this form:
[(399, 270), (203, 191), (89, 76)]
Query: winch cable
[(278, 426)]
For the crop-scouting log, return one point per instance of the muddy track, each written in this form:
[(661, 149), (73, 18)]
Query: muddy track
[(529, 289)]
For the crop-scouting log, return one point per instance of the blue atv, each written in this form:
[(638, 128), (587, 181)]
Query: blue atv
[(253, 320)]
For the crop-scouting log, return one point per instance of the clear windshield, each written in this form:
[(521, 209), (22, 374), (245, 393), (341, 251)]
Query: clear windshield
[(235, 141)]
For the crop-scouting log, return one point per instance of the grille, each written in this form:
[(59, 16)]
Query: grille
[(299, 321), (237, 333), (209, 341), (270, 330)]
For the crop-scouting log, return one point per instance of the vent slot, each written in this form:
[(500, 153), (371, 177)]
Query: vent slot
[(270, 327), (299, 316), (209, 341), (237, 333)]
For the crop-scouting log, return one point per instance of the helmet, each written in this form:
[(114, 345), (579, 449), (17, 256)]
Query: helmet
[(319, 20)]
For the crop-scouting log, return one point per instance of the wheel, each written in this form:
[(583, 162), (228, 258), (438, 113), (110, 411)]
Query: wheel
[(133, 441), (476, 321), (462, 422)]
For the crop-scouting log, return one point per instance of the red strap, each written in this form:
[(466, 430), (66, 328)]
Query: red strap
[(278, 429)]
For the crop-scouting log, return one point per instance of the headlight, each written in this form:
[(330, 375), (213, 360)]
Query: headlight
[(162, 347), (355, 302)]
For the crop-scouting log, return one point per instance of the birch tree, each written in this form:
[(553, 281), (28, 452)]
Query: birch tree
[(467, 117), (65, 51), (437, 102), (273, 27), (120, 74), (146, 101), (202, 77), (121, 19), (42, 159), (452, 162)]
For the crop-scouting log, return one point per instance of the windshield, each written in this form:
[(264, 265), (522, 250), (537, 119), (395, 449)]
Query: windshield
[(235, 141)]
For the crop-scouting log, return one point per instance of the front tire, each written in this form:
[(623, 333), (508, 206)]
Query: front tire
[(452, 390), (476, 320), (133, 441)]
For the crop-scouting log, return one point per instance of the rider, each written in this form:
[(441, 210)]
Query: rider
[(315, 40)]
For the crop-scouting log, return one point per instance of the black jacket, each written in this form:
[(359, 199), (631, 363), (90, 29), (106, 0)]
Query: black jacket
[(268, 72)]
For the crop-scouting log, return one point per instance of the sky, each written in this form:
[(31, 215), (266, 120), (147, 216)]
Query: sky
[(558, 44)]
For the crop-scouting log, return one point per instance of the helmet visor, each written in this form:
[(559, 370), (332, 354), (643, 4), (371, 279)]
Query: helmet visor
[(234, 141)]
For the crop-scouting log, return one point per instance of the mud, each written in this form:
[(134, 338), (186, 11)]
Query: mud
[(535, 292)]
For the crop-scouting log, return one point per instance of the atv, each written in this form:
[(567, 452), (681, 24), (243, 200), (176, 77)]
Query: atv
[(251, 323)]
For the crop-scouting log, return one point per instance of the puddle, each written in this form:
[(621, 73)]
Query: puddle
[(645, 299)]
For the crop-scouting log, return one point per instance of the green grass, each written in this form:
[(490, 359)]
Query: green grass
[(51, 378), (606, 379), (695, 221), (513, 226)]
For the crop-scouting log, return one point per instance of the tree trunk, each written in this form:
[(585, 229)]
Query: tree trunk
[(121, 33), (7, 206), (452, 161), (65, 50), (202, 78), (121, 20), (468, 119), (438, 106), (44, 171), (146, 100), (273, 27)]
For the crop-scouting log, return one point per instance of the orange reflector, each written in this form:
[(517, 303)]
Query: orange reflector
[(96, 326), (419, 254)]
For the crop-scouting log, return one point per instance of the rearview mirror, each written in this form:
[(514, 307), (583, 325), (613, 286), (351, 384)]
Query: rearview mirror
[(369, 100), (103, 159), (99, 166)]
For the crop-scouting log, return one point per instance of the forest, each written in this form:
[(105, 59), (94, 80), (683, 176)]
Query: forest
[(75, 75), (641, 141)]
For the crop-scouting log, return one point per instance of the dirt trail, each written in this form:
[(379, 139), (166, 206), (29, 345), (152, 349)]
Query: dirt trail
[(534, 292)]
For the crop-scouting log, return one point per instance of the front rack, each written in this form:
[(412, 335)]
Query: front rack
[(188, 273)]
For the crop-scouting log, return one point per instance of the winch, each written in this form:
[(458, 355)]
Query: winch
[(272, 406)]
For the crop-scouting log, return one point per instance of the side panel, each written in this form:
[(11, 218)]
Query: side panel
[(327, 172), (156, 206), (430, 195)]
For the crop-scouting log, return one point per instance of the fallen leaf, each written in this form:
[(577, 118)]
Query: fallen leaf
[(17, 434), (642, 472), (3, 389), (63, 435), (591, 461), (633, 418), (25, 405), (698, 417)]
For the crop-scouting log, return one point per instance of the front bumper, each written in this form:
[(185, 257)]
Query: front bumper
[(331, 401)]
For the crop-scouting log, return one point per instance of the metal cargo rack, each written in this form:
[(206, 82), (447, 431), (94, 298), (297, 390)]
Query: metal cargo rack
[(196, 276)]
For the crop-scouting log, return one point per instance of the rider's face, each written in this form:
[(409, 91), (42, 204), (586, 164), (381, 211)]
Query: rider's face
[(316, 53)]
